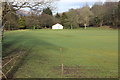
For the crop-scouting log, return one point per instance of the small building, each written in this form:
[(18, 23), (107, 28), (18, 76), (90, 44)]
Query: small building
[(57, 26)]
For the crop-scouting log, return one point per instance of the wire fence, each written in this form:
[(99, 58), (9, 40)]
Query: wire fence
[(9, 62)]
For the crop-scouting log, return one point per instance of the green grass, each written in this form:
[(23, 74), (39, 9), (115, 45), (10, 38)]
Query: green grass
[(87, 53)]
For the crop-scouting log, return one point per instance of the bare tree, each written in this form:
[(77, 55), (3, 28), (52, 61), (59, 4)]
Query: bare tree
[(46, 20), (72, 18), (12, 7), (0, 14), (84, 16), (99, 11), (32, 21), (0, 39)]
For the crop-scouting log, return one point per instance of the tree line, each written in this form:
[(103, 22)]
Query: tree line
[(99, 14)]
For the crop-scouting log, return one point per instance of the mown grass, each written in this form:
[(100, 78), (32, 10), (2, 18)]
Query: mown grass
[(90, 53)]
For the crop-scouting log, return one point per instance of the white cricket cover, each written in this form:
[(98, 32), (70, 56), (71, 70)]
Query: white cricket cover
[(57, 26)]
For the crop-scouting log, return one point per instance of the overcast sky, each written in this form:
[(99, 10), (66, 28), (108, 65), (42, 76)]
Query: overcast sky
[(65, 5)]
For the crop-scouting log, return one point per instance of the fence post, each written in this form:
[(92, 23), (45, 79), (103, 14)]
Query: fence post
[(62, 66)]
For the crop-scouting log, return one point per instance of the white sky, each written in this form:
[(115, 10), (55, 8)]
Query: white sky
[(65, 5)]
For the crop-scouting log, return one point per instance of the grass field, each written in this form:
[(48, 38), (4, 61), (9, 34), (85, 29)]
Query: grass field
[(88, 53)]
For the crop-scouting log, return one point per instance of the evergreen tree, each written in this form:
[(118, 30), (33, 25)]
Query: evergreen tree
[(47, 11), (64, 19), (21, 22), (97, 21), (57, 16)]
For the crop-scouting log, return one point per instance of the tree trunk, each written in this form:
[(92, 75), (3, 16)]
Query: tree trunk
[(34, 27), (71, 26), (9, 27), (1, 34), (45, 26), (1, 27), (101, 23), (85, 25)]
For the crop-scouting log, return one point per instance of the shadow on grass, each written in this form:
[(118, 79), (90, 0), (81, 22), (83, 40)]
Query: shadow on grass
[(18, 64), (8, 46), (31, 45)]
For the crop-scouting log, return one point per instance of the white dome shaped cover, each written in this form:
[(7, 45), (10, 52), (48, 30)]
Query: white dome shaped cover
[(57, 26)]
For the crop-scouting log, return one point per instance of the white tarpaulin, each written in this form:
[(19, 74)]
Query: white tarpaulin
[(57, 26)]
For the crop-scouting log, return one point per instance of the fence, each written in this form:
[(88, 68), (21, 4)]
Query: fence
[(9, 62)]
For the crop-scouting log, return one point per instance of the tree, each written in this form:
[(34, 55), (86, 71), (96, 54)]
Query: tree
[(99, 13), (12, 22), (47, 11), (35, 6), (46, 20), (57, 16), (84, 16), (97, 21), (72, 18), (105, 14), (64, 20), (32, 21), (21, 22), (118, 14), (110, 14), (0, 15)]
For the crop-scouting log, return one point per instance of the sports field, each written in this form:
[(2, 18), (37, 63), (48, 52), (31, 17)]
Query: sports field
[(90, 53)]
